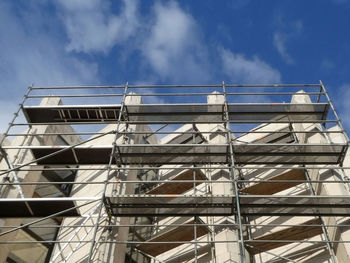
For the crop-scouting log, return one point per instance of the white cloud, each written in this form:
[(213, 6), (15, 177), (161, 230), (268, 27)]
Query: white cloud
[(280, 38), (168, 39), (279, 41), (242, 70), (32, 54), (172, 47), (92, 27), (176, 51)]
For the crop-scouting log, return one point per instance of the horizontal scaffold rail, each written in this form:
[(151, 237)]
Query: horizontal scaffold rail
[(296, 85), (215, 205), (170, 205), (294, 205)]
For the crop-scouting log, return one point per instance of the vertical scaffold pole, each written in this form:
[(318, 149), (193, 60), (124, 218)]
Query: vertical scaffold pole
[(335, 115), (324, 229), (233, 177), (313, 193), (114, 146)]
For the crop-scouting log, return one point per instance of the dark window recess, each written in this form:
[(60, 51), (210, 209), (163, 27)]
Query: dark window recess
[(63, 176), (146, 175), (49, 174), (10, 260)]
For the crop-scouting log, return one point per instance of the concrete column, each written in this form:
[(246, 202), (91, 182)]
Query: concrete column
[(224, 252), (228, 251), (123, 232), (341, 250)]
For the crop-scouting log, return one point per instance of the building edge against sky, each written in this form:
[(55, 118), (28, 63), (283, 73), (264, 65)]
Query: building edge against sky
[(198, 173)]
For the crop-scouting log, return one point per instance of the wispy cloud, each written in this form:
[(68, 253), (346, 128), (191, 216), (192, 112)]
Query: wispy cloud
[(172, 45), (168, 38), (240, 69), (279, 41), (281, 37), (31, 53), (176, 51), (92, 27), (169, 41), (169, 44)]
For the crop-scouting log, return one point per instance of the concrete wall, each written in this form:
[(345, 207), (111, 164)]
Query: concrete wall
[(31, 252), (226, 248)]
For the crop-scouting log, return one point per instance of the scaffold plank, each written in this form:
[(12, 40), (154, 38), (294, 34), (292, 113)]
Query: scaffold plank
[(296, 205), (132, 154), (71, 113), (181, 187), (269, 188), (175, 234), (306, 230), (156, 154), (289, 153), (176, 112)]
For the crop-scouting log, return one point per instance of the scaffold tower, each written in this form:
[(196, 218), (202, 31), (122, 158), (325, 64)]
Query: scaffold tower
[(175, 173)]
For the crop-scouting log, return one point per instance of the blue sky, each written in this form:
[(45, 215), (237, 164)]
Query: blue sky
[(105, 42)]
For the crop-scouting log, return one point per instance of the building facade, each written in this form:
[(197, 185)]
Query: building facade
[(199, 173)]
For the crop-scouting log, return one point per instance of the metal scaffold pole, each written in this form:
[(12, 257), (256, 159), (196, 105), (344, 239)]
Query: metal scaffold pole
[(234, 179), (112, 155)]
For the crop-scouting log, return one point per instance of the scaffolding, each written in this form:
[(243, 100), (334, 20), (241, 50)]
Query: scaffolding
[(175, 173)]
